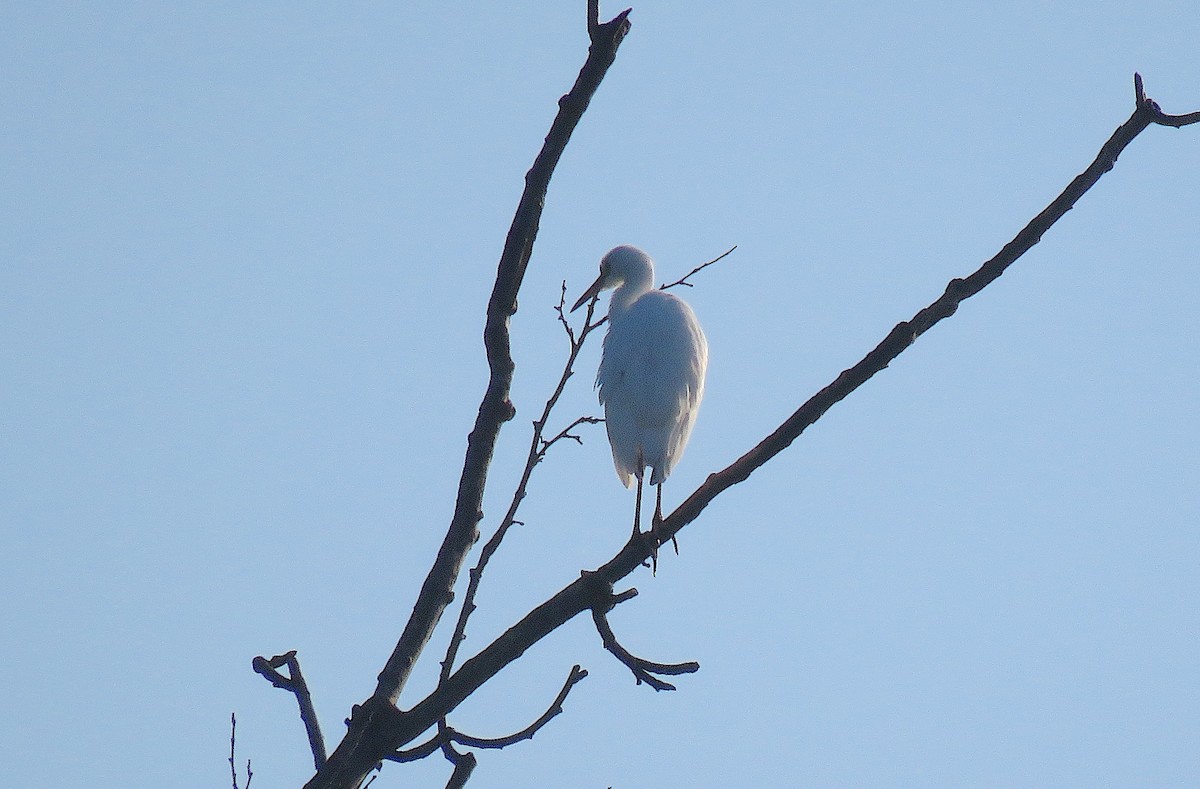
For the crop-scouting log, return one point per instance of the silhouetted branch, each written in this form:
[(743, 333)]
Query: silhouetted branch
[(294, 683), (684, 279), (376, 726), (905, 334), (427, 748), (464, 763), (233, 748), (566, 433), (538, 447), (643, 670), (581, 595), (1156, 113), (555, 708), (447, 734), (462, 771), (537, 452)]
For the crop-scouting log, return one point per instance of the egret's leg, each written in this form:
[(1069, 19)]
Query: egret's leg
[(637, 509), (658, 518)]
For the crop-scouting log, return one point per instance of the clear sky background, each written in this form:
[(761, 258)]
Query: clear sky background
[(245, 255)]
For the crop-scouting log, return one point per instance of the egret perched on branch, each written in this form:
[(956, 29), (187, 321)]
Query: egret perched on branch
[(651, 376)]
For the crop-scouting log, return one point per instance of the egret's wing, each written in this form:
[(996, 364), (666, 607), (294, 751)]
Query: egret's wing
[(651, 382)]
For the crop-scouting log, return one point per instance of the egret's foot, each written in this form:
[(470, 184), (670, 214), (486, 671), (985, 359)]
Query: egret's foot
[(639, 536)]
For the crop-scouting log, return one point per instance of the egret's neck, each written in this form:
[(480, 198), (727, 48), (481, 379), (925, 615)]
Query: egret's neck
[(636, 284)]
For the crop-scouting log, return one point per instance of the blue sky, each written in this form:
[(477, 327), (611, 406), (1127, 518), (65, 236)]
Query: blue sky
[(246, 252)]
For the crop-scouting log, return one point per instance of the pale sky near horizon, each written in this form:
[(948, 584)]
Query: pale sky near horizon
[(246, 252)]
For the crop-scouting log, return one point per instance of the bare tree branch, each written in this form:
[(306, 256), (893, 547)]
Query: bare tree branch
[(537, 451), (1156, 113), (496, 408), (462, 771), (427, 748), (643, 670), (377, 728), (464, 763), (538, 447), (448, 734), (375, 725), (577, 674), (684, 279), (904, 334), (580, 595), (566, 433), (232, 749), (294, 683)]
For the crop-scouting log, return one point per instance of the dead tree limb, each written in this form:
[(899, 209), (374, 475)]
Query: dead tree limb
[(377, 728), (579, 596), (376, 724), (294, 683), (577, 674), (604, 600), (1146, 112)]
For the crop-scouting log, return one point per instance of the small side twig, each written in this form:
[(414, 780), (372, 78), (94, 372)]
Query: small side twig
[(538, 446), (566, 433), (377, 727), (464, 763), (581, 595), (447, 735), (294, 683), (643, 670), (577, 674), (684, 279), (1155, 112), (417, 752), (233, 748)]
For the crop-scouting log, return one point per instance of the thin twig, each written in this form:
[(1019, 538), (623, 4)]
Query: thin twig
[(233, 748), (684, 279), (447, 733), (421, 751), (560, 309), (566, 433), (294, 683), (555, 708), (603, 601), (643, 670), (535, 454)]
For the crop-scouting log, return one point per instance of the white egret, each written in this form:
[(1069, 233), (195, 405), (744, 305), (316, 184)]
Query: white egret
[(651, 376)]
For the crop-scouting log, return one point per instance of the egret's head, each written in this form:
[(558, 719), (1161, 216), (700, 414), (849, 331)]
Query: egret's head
[(620, 266)]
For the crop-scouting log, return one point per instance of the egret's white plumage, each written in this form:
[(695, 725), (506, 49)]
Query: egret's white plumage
[(651, 376)]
